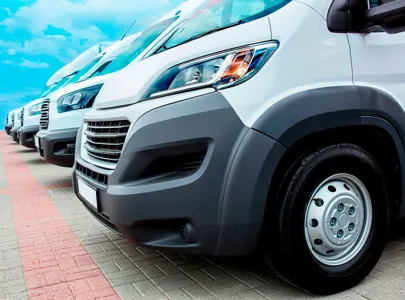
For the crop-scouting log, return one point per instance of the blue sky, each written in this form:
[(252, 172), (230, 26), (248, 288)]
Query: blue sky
[(37, 37)]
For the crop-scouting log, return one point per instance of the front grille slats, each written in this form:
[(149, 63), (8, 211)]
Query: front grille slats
[(105, 139), (100, 178), (22, 117), (44, 120), (12, 119)]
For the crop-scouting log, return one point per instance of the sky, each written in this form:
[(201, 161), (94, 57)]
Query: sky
[(38, 37)]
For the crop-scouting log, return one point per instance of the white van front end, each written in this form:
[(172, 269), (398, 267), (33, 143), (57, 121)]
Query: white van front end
[(185, 150), (61, 116), (15, 124), (30, 116)]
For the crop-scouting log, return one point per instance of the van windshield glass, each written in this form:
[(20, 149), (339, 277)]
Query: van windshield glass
[(216, 15), (60, 84), (138, 46), (83, 71)]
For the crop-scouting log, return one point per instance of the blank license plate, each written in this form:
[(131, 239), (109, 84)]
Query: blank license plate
[(88, 193), (36, 142)]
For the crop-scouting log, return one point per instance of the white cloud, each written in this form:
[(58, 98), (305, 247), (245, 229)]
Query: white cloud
[(25, 63), (32, 64), (77, 19), (17, 96)]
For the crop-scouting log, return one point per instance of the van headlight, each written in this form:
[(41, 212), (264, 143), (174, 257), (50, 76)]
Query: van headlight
[(35, 109), (79, 99), (217, 71)]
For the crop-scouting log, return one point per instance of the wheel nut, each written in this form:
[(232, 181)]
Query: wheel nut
[(340, 234), (333, 222), (318, 202), (352, 210), (340, 207), (351, 226)]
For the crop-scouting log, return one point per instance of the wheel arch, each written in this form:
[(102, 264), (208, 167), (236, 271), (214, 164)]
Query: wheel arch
[(326, 111)]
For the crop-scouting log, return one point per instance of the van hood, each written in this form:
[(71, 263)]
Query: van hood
[(131, 83), (36, 101), (78, 86)]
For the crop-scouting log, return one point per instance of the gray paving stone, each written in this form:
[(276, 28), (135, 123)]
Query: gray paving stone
[(172, 282), (124, 264), (151, 271), (251, 295), (226, 286), (128, 291), (123, 273), (18, 296), (94, 249), (146, 287), (198, 292), (107, 246), (108, 267), (126, 280), (178, 295)]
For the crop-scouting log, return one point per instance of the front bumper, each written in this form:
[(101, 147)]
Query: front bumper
[(14, 134), (58, 147), (199, 171), (7, 128), (26, 136)]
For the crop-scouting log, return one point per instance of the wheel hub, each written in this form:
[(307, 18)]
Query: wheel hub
[(338, 219)]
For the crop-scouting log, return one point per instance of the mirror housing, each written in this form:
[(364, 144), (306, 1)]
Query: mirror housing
[(390, 16), (355, 16)]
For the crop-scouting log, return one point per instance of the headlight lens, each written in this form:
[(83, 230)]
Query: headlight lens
[(35, 109), (79, 99), (218, 71)]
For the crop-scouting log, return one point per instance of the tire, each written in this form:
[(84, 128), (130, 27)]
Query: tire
[(287, 234)]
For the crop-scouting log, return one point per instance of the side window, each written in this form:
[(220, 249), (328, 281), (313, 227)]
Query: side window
[(100, 69)]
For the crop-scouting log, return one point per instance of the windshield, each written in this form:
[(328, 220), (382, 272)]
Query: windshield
[(83, 71), (138, 46), (58, 85), (214, 15), (45, 90)]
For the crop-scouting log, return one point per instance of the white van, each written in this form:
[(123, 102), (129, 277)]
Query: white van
[(55, 125), (269, 126), (8, 124), (15, 123), (63, 112), (31, 112)]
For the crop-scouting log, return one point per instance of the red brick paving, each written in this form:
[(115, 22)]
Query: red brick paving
[(56, 265)]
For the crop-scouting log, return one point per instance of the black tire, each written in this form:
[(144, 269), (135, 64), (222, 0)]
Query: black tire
[(285, 248)]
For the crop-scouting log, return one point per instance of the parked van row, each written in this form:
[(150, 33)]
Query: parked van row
[(232, 127)]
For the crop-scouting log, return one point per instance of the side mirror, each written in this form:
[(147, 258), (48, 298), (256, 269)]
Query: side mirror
[(390, 16)]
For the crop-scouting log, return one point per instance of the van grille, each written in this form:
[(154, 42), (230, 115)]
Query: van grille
[(12, 119), (22, 117), (100, 178), (105, 140), (44, 120)]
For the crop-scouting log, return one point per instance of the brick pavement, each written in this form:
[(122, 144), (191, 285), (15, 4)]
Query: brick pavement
[(52, 248)]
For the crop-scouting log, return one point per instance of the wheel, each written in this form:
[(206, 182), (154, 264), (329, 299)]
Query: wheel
[(327, 226)]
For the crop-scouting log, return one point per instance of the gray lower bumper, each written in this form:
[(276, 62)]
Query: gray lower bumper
[(26, 136), (14, 134), (219, 197), (8, 129), (57, 147)]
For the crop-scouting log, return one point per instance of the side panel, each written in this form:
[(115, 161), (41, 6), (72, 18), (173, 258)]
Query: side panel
[(309, 57)]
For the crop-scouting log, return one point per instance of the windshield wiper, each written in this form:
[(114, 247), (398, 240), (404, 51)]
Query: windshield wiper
[(216, 29)]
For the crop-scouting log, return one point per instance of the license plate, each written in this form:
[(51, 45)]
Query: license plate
[(36, 142), (88, 193)]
